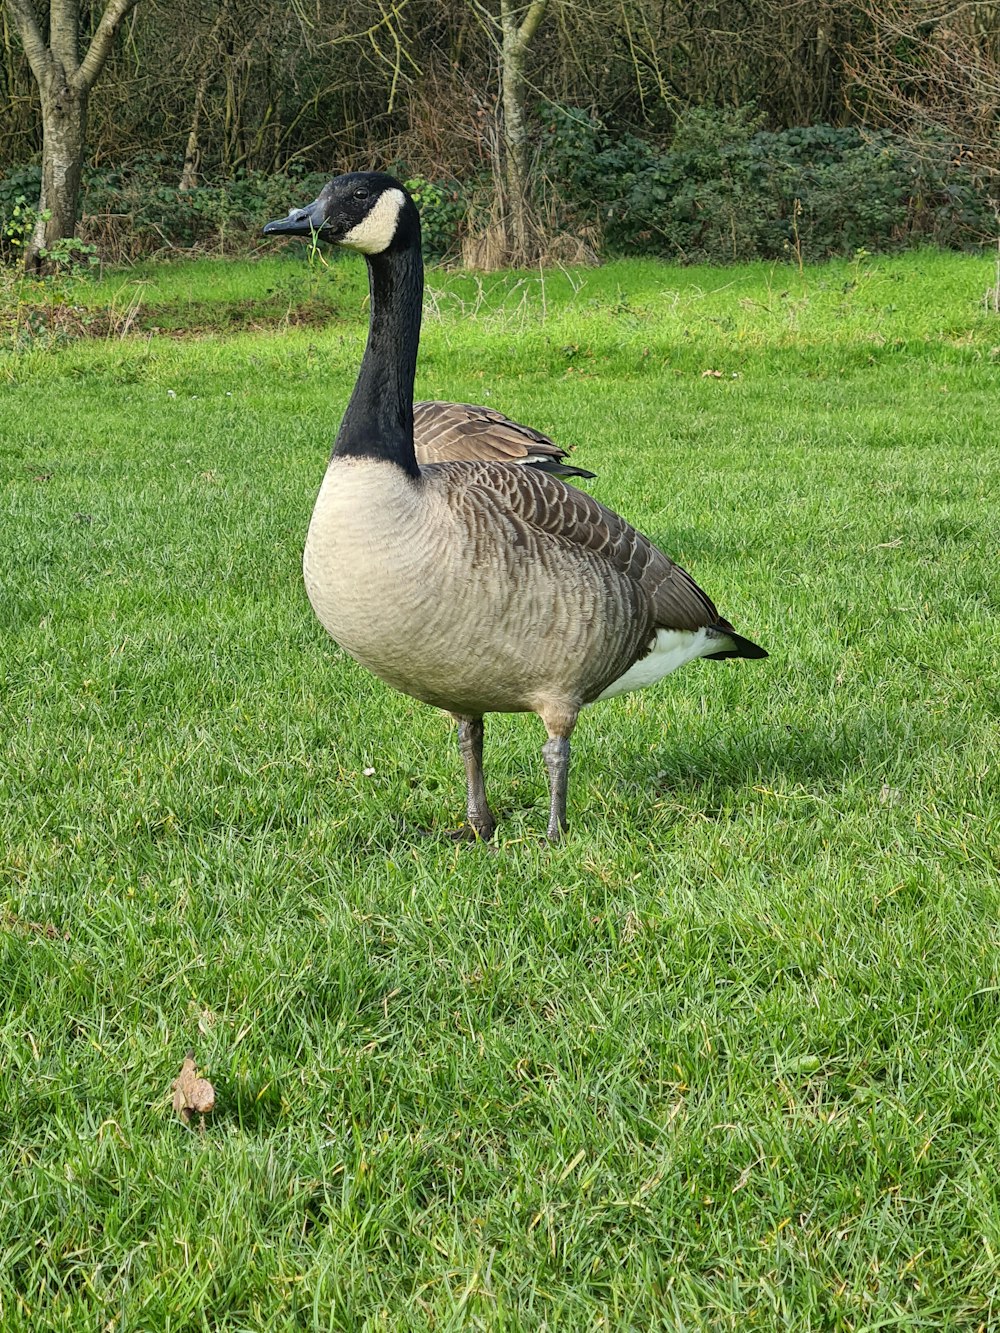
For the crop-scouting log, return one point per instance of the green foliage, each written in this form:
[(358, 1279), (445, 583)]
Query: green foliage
[(725, 190), (135, 210), (153, 212), (17, 221), (728, 190), (442, 212), (71, 255), (67, 256), (18, 182)]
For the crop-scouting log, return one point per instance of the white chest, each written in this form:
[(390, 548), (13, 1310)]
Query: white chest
[(374, 568), (365, 537)]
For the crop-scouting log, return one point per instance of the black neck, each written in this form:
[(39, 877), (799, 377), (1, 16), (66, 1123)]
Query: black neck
[(378, 422)]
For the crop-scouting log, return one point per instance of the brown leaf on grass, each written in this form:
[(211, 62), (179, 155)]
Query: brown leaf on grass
[(711, 374), (17, 925), (191, 1093)]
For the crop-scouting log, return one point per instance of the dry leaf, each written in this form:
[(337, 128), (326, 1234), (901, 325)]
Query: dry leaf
[(711, 374), (8, 921), (192, 1093)]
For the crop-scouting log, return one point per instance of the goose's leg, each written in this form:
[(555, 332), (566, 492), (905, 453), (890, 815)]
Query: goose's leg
[(555, 752), (470, 746)]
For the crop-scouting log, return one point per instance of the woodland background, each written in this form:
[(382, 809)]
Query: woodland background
[(723, 130)]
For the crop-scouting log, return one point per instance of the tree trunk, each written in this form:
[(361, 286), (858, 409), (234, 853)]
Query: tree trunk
[(192, 153), (64, 128), (515, 38), (64, 84)]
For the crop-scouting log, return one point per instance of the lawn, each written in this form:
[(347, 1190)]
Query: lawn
[(726, 1059)]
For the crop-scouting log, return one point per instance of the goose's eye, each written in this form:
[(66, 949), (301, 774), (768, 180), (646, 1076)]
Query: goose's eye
[(361, 192)]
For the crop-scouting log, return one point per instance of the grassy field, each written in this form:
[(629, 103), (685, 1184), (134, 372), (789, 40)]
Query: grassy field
[(728, 1058)]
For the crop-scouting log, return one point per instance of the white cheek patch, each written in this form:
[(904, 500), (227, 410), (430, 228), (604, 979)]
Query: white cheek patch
[(375, 232)]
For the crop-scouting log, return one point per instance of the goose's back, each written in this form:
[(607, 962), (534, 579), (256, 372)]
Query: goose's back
[(462, 432)]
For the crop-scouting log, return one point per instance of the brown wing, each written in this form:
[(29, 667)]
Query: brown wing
[(526, 496), (462, 432)]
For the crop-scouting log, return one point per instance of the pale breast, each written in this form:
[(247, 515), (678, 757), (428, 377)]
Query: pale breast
[(366, 560)]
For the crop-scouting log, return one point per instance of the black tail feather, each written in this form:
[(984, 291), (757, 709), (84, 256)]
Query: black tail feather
[(740, 647)]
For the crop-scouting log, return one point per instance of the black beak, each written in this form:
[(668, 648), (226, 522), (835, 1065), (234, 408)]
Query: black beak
[(300, 222)]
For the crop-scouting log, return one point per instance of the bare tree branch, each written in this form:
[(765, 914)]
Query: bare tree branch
[(924, 67), (100, 46), (530, 22), (26, 23)]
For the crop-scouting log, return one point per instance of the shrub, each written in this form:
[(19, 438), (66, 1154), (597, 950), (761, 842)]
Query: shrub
[(135, 210), (724, 190), (728, 190), (19, 191), (132, 210), (442, 212)]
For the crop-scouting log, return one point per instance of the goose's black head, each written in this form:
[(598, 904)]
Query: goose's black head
[(365, 211)]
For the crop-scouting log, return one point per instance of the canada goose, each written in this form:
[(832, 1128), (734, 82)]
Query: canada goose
[(463, 433), (476, 586)]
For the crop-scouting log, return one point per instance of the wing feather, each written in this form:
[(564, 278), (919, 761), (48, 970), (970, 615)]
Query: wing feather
[(462, 432), (564, 514)]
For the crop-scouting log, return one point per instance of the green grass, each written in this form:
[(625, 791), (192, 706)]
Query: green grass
[(726, 1059)]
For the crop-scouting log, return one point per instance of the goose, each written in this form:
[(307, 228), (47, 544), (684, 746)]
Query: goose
[(476, 586)]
